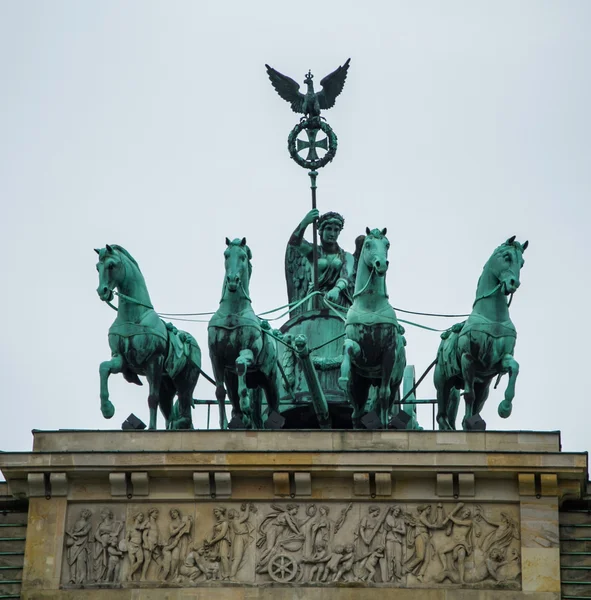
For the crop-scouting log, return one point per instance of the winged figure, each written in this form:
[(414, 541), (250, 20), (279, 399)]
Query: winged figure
[(310, 103)]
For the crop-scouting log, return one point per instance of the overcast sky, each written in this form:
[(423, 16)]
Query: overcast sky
[(153, 125)]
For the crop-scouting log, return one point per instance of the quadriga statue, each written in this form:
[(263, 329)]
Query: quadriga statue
[(472, 353), (243, 355), (143, 344)]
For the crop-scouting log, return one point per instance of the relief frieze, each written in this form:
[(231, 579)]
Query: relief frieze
[(293, 543)]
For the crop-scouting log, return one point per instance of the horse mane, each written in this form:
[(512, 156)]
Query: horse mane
[(376, 233), (126, 254)]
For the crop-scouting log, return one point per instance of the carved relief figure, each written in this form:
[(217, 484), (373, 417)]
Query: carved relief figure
[(150, 541), (371, 536), (332, 562), (133, 543), (114, 558), (346, 564), (504, 533), (306, 529), (419, 541), (240, 530), (101, 544), (176, 548), (275, 530), (218, 546), (459, 543), (395, 532), (78, 548), (196, 566), (317, 560)]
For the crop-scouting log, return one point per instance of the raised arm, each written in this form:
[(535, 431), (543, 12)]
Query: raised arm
[(297, 237)]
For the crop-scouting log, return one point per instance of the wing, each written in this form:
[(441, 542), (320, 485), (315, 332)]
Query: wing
[(298, 277), (287, 88), (332, 86)]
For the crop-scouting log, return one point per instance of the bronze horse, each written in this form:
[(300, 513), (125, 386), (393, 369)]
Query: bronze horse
[(142, 344), (374, 345), (243, 356), (472, 353)]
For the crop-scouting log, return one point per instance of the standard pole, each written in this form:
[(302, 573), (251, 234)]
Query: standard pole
[(313, 175)]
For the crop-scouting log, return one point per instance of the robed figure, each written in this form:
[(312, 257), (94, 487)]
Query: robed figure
[(336, 267)]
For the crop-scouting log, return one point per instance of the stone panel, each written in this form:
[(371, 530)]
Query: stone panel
[(541, 569), (405, 545)]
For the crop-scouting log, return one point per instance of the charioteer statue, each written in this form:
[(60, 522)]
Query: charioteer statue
[(336, 267)]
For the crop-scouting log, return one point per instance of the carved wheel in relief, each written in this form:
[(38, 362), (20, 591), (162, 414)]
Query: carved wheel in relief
[(283, 568)]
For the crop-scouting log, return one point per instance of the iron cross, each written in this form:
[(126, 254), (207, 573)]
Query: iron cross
[(312, 144)]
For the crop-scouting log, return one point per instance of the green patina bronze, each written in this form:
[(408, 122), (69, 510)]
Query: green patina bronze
[(472, 353), (243, 355), (310, 103), (341, 355), (374, 346), (143, 344), (336, 267)]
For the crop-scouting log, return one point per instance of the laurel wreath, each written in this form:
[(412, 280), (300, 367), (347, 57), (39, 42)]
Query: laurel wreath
[(312, 123)]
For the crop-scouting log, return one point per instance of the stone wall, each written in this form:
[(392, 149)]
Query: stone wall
[(325, 514)]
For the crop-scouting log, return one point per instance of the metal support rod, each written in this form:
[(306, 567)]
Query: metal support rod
[(313, 175), (316, 392)]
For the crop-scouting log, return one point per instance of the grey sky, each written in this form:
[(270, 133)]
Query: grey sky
[(153, 125)]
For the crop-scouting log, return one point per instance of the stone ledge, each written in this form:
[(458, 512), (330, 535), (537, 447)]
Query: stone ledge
[(294, 441), (273, 593)]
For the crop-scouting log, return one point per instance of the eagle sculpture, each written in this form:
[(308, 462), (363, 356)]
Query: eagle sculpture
[(310, 103)]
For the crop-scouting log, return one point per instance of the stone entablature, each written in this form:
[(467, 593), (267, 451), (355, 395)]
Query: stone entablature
[(115, 512)]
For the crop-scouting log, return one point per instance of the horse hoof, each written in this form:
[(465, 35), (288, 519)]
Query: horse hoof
[(505, 409), (107, 409), (444, 424), (344, 383)]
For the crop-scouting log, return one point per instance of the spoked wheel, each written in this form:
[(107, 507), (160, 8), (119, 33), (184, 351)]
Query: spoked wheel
[(283, 568)]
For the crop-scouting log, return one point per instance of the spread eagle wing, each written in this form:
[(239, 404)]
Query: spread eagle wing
[(287, 88), (332, 86)]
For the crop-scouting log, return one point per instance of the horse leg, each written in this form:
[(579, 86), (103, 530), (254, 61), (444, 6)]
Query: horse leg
[(220, 390), (384, 393), (468, 374), (154, 376), (232, 387), (115, 365), (481, 391), (511, 366), (357, 396), (167, 393), (245, 359), (351, 350), (444, 399), (271, 393), (185, 384)]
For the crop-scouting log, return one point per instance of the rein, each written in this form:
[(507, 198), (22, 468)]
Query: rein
[(362, 290), (129, 299), (487, 295)]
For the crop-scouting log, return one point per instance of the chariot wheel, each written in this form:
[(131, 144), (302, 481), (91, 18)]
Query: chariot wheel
[(283, 568)]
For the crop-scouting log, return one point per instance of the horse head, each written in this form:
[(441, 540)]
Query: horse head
[(111, 270), (506, 263), (374, 251), (238, 266)]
